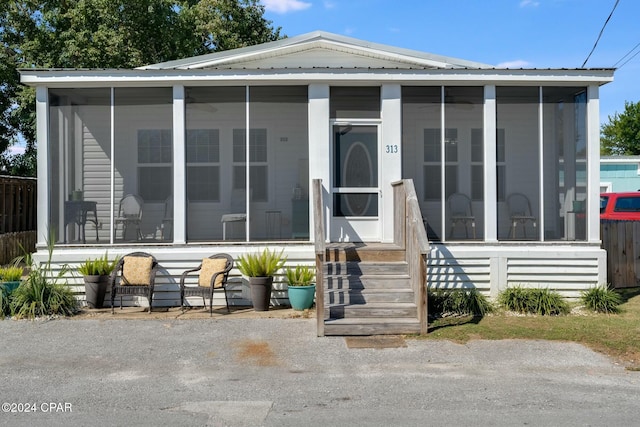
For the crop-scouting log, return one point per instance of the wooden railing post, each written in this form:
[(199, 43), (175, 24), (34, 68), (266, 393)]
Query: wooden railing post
[(319, 240)]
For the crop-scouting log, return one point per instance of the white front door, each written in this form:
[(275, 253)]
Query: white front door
[(355, 182)]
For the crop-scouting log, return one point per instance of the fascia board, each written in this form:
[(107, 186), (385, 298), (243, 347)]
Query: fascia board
[(153, 77)]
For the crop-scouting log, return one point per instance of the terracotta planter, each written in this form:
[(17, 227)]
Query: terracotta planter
[(301, 297), (95, 288), (260, 292)]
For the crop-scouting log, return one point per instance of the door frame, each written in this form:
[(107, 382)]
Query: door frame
[(356, 228)]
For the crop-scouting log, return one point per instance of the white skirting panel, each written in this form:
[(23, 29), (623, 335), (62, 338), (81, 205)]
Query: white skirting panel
[(569, 269)]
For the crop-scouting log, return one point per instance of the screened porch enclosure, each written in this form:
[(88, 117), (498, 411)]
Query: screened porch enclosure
[(113, 171), (536, 155)]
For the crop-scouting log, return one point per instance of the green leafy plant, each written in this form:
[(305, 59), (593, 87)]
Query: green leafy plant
[(458, 302), (5, 300), (11, 273), (98, 267), (602, 299), (302, 275), (533, 301), (42, 293), (263, 264)]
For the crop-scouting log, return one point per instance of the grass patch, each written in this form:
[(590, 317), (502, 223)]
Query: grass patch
[(443, 302), (617, 336)]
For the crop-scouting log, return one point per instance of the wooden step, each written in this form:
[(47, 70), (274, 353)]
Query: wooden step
[(368, 296), (365, 268), (355, 282), (371, 326), (338, 252), (383, 310)]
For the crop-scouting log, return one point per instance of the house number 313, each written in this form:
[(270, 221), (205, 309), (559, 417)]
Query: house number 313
[(391, 149)]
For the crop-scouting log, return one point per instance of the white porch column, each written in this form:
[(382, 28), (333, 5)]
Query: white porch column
[(593, 163), (390, 157), (179, 167), (319, 142), (42, 138), (490, 194)]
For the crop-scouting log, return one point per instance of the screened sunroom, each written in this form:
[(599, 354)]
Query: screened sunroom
[(217, 154)]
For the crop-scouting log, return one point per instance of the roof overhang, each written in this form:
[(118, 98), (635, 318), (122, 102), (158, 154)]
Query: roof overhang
[(351, 76)]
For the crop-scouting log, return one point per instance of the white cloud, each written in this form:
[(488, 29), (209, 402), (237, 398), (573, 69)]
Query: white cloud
[(518, 63), (529, 3), (285, 6)]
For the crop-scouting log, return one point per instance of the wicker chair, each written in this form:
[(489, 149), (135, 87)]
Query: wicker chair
[(213, 274), (135, 274)]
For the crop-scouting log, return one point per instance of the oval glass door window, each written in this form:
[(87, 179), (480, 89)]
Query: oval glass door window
[(357, 172)]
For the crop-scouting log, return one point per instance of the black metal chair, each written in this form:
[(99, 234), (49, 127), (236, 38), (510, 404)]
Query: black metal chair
[(213, 274), (135, 274)]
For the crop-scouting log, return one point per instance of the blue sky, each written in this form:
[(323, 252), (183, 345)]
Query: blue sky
[(512, 33)]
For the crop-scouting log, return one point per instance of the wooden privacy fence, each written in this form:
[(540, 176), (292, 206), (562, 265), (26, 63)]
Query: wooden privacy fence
[(621, 240), (17, 204), (13, 245)]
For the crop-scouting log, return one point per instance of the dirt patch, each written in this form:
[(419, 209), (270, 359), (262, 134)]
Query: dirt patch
[(257, 353)]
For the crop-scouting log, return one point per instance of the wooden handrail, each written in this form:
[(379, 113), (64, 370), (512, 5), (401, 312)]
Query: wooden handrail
[(410, 234), (319, 241)]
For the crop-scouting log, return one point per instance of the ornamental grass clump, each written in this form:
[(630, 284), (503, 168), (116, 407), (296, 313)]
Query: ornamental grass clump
[(458, 302), (264, 264), (533, 301), (11, 273), (42, 293), (602, 300)]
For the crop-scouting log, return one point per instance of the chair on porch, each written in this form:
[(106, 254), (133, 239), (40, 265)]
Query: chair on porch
[(134, 275), (461, 213), (520, 213), (238, 207), (130, 214), (213, 274)]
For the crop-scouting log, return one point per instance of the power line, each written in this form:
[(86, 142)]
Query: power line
[(600, 35), (627, 54), (634, 55)]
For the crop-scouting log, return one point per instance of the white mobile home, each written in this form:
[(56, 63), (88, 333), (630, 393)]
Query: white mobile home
[(220, 151)]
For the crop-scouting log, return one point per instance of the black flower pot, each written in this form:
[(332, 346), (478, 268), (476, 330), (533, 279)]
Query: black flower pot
[(95, 287), (260, 292)]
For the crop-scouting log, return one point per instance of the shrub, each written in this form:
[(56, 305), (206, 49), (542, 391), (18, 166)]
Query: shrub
[(602, 300), (458, 302), (41, 294), (4, 303), (11, 273), (533, 301)]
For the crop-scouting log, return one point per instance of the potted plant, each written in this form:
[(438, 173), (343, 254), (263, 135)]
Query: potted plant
[(96, 279), (10, 278), (301, 288), (260, 268)]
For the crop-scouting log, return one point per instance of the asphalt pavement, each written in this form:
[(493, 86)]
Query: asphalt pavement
[(227, 371)]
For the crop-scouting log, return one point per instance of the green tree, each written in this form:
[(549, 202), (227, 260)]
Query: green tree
[(621, 136), (109, 34)]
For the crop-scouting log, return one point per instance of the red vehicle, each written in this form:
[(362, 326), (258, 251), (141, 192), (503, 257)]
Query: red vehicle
[(620, 206)]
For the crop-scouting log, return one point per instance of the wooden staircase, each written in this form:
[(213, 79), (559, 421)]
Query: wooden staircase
[(367, 290)]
